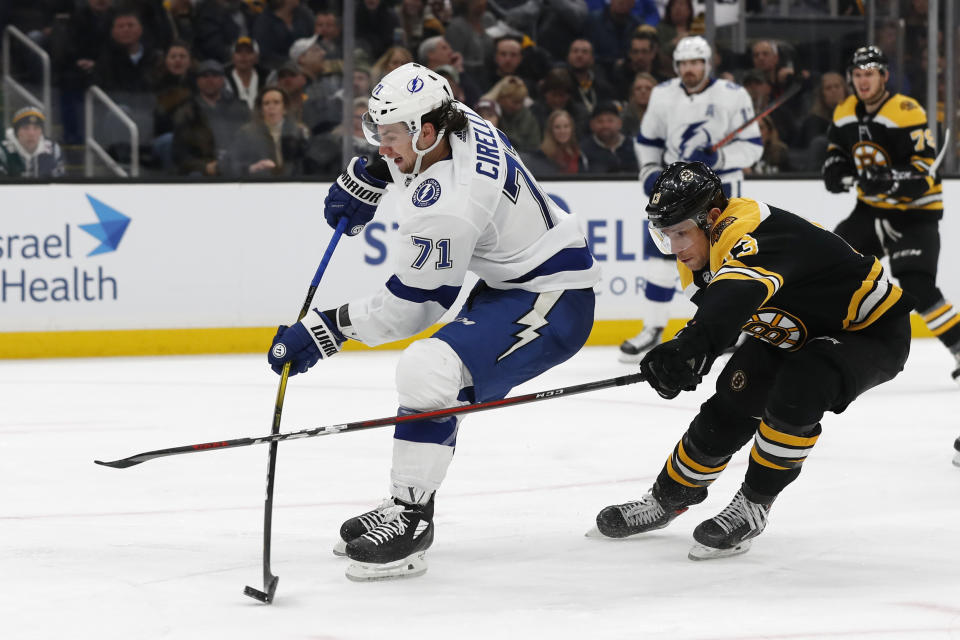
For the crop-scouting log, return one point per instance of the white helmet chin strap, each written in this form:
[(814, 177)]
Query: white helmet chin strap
[(422, 152)]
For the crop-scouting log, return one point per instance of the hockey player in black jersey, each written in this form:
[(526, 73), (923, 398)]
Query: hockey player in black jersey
[(881, 141), (824, 325)]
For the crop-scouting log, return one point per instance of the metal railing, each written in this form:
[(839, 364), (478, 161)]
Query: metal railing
[(93, 147), (9, 33)]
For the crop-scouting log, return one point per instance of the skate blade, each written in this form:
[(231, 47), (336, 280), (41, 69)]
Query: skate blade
[(340, 548), (627, 358), (595, 533), (700, 552), (410, 567)]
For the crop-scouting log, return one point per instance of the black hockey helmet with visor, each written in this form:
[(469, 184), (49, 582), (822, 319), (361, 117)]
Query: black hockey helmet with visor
[(682, 196)]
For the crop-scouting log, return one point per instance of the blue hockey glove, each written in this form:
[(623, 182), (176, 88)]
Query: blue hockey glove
[(707, 157), (355, 195), (677, 365), (650, 181), (304, 344)]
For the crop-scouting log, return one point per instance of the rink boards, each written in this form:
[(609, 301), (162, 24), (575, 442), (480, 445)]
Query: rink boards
[(127, 269)]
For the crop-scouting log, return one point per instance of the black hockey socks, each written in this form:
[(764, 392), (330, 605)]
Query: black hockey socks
[(778, 453)]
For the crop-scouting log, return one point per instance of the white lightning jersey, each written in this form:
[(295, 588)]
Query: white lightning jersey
[(478, 210), (677, 123)]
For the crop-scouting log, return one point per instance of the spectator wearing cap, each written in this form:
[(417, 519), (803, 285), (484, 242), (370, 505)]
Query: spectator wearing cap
[(277, 28), (559, 152), (607, 150), (591, 83), (516, 121), (25, 152), (271, 144), (556, 92), (643, 56), (218, 24), (244, 74), (294, 82), (489, 110), (204, 127)]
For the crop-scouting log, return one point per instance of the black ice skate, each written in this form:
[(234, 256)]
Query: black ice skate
[(395, 548), (631, 518), (731, 531), (956, 452), (632, 350), (359, 525)]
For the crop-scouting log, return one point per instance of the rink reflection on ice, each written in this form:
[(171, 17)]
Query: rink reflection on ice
[(864, 545)]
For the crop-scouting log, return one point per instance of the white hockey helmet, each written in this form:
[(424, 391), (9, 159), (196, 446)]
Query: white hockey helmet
[(693, 48), (405, 95)]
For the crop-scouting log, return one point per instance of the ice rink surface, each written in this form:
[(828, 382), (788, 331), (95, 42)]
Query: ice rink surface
[(866, 544)]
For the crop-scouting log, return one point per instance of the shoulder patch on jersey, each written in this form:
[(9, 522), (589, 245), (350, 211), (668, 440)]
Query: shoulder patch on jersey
[(427, 193), (902, 111), (907, 105), (719, 227)]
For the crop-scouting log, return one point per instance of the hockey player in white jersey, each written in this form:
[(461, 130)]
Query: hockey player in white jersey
[(685, 117), (465, 202)]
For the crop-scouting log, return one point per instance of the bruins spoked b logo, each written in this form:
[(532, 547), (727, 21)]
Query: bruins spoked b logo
[(868, 154), (777, 327)]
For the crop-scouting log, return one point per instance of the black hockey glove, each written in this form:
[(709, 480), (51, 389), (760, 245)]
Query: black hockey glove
[(835, 169), (877, 179), (677, 365)]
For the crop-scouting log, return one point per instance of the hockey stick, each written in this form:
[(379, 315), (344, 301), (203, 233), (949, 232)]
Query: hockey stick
[(789, 93), (270, 580), (361, 425), (898, 175)]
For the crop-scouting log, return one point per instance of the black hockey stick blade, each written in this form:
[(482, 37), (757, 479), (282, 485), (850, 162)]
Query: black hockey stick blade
[(124, 463), (264, 597)]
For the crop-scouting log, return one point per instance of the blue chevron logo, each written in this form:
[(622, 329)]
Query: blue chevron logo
[(109, 231)]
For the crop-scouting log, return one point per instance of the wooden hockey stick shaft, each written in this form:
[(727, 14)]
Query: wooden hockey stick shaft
[(361, 425), (727, 139)]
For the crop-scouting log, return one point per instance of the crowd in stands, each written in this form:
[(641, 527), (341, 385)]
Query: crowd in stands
[(255, 87)]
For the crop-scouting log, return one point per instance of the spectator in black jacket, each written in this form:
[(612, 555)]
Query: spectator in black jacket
[(204, 127), (270, 144), (126, 65), (610, 29), (375, 25), (278, 28), (592, 85), (607, 149), (217, 25), (87, 33)]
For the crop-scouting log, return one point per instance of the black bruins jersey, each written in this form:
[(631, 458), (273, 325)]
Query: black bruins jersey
[(813, 283), (895, 136)]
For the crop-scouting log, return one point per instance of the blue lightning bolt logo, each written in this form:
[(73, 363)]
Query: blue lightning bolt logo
[(688, 133), (534, 319)]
